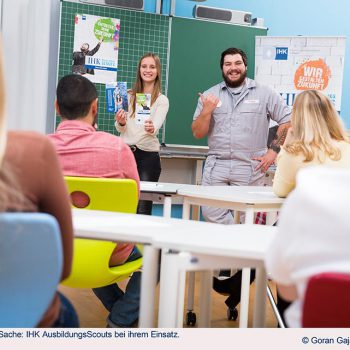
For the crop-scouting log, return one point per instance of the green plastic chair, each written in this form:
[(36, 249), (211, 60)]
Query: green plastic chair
[(91, 257)]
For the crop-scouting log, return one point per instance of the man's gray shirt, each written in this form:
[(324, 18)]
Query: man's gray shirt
[(239, 127)]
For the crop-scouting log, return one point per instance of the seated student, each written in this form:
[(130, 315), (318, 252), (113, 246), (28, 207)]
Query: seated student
[(317, 136), (313, 235), (83, 151), (31, 180)]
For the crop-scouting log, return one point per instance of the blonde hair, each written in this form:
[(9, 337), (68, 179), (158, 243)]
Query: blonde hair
[(138, 86), (316, 125)]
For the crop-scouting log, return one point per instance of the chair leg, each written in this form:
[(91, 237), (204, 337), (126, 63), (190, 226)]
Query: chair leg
[(191, 316), (274, 307)]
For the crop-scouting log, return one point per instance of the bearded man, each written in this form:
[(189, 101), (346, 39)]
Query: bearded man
[(235, 114)]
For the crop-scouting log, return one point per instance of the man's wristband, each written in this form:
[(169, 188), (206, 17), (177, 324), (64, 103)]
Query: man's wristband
[(275, 148), (121, 124)]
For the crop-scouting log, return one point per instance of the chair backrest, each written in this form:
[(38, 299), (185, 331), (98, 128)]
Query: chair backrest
[(327, 301), (91, 257), (30, 267), (119, 195)]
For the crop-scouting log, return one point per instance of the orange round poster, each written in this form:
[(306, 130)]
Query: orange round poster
[(312, 75)]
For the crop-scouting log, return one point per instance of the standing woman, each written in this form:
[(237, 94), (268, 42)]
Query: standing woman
[(142, 139)]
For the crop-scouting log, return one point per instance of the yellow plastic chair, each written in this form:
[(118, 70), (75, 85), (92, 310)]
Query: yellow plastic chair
[(91, 257)]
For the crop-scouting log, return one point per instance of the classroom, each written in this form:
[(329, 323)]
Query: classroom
[(177, 166)]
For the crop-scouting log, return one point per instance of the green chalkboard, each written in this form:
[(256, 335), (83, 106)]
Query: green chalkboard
[(195, 50), (140, 32), (189, 50)]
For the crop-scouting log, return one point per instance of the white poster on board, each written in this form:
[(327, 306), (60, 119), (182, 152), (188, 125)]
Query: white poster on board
[(96, 44), (294, 64)]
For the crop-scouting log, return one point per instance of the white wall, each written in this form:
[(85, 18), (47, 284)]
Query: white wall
[(30, 30)]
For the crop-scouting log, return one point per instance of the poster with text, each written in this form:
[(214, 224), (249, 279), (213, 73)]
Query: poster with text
[(291, 65), (96, 44)]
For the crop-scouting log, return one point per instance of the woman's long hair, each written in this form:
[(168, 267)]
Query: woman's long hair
[(138, 86), (316, 126)]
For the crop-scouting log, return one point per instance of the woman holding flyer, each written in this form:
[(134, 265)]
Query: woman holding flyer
[(139, 126)]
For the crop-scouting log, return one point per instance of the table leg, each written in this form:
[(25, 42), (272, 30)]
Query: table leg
[(260, 298), (205, 299), (148, 286), (244, 305), (181, 298), (172, 290), (249, 216), (186, 209), (167, 207), (244, 308)]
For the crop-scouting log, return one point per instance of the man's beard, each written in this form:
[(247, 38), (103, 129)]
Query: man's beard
[(236, 83)]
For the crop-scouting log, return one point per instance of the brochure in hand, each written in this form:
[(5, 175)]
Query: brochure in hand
[(143, 108), (116, 96)]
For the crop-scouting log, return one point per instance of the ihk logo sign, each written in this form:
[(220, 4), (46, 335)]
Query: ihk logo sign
[(281, 53)]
